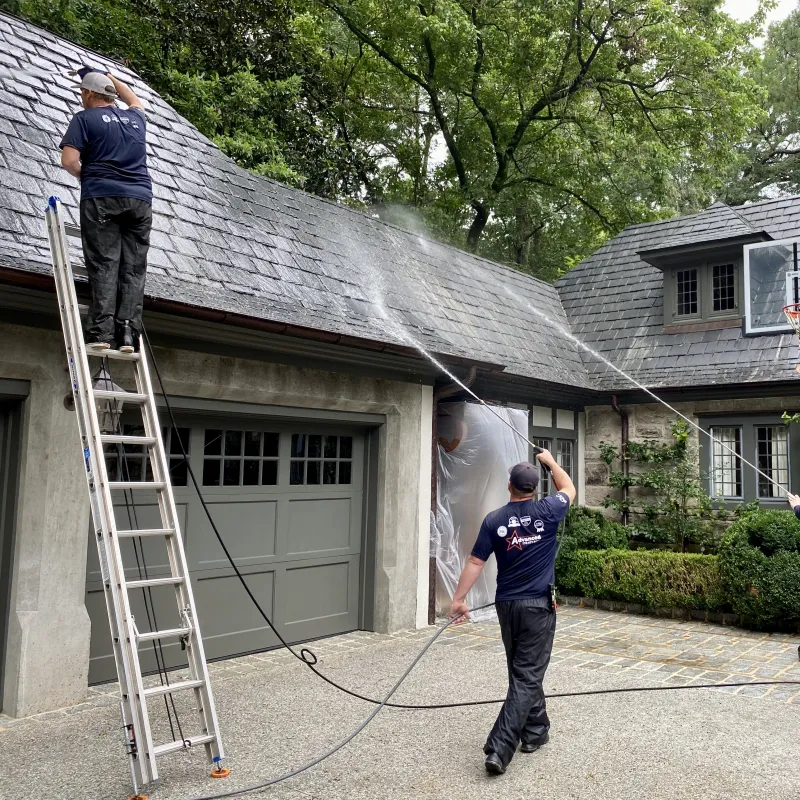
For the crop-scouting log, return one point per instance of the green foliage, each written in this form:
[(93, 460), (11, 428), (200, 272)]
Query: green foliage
[(667, 500), (759, 561), (652, 578)]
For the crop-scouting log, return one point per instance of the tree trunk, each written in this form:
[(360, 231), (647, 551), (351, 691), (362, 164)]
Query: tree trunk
[(477, 227)]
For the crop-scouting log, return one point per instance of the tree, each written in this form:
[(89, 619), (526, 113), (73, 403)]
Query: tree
[(770, 156), (551, 111)]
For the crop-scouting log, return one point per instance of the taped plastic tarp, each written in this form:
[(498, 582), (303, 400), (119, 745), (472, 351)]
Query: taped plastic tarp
[(475, 450)]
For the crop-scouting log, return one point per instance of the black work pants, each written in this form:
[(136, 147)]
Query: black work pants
[(115, 232), (528, 628)]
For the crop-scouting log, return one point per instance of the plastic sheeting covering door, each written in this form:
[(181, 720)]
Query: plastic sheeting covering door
[(474, 454)]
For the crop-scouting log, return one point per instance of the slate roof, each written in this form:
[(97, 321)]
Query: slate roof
[(228, 240), (614, 302)]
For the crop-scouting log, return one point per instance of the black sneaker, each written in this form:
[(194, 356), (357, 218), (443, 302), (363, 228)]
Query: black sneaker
[(493, 764), (532, 747), (128, 340)]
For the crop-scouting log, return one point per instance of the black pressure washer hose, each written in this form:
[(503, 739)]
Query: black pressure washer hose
[(310, 659)]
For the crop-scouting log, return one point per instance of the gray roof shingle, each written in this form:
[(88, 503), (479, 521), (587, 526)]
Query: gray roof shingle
[(228, 240)]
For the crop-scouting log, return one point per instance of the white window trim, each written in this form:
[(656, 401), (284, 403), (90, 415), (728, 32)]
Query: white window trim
[(748, 327)]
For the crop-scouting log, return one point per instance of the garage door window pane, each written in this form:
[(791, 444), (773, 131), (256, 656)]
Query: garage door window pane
[(313, 471), (269, 473), (345, 469), (329, 472), (252, 443), (330, 446), (345, 448), (232, 471), (173, 438), (271, 444), (315, 446), (251, 469), (298, 445), (213, 443), (211, 470), (233, 443), (297, 473)]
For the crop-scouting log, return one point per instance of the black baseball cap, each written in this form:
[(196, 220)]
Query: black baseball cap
[(524, 476)]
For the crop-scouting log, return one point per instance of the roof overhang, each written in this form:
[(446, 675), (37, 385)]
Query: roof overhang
[(663, 257)]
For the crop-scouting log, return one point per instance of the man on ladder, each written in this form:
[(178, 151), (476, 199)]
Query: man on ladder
[(104, 148)]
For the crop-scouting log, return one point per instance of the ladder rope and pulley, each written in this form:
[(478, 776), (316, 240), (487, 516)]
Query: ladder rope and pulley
[(100, 398)]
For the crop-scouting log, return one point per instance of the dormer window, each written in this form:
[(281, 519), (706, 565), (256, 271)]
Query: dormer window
[(704, 294)]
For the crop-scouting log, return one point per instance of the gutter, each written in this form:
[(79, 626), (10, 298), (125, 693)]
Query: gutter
[(624, 432), (438, 395)]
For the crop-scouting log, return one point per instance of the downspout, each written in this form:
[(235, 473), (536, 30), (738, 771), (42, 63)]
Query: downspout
[(623, 417), (445, 391)]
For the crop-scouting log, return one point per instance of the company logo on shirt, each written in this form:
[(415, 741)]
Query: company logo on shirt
[(539, 525), (515, 541), (513, 522), (525, 521), (502, 530), (562, 498), (106, 118)]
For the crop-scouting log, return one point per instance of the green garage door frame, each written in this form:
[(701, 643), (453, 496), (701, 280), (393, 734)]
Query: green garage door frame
[(306, 549), (12, 395)]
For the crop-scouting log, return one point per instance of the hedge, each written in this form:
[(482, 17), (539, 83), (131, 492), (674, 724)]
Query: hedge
[(652, 578), (759, 561)]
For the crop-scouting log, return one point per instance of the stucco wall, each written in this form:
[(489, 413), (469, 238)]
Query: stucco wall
[(653, 421), (48, 645)]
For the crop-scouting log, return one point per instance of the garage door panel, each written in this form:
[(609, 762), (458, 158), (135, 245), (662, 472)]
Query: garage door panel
[(229, 622), (318, 598), (322, 525), (248, 528), (163, 614), (154, 550)]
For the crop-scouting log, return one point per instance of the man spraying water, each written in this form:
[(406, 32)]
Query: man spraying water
[(104, 148), (522, 535)]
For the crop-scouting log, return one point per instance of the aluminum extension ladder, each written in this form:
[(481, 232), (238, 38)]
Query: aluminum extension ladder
[(125, 636)]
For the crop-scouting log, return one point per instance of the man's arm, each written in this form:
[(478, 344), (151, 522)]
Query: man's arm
[(71, 161), (126, 94), (561, 480), (470, 574), (794, 502)]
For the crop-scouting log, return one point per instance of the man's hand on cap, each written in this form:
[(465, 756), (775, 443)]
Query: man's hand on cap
[(84, 71)]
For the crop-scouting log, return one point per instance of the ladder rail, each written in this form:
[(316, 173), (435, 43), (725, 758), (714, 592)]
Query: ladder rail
[(177, 555), (117, 605)]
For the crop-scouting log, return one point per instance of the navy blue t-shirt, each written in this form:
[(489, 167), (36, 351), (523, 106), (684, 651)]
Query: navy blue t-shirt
[(522, 535), (113, 152)]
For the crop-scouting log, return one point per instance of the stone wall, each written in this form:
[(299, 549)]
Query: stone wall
[(653, 421)]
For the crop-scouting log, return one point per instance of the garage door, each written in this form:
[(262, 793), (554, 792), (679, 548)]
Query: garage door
[(287, 500)]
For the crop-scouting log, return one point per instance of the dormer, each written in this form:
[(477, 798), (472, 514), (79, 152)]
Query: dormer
[(701, 260)]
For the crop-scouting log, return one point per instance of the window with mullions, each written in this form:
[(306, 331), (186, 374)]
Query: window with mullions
[(772, 452), (686, 294), (131, 462), (726, 464), (318, 459), (564, 455), (723, 287), (543, 489), (240, 458)]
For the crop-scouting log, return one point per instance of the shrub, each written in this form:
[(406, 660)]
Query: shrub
[(760, 567), (653, 578), (587, 529)]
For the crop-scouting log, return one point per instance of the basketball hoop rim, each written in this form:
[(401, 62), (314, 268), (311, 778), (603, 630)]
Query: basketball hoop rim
[(792, 314)]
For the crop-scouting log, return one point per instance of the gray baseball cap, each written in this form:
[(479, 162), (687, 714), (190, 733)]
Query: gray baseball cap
[(524, 476), (98, 82)]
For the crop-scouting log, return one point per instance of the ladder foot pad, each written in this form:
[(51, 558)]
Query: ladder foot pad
[(219, 772)]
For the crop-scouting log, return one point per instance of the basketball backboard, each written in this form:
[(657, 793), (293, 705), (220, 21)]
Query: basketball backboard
[(771, 281)]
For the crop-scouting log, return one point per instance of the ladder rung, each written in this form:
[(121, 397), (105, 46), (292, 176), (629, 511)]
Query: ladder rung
[(146, 532), (170, 633), (144, 441), (125, 397), (136, 485), (171, 747), (172, 580), (114, 354), (180, 686)]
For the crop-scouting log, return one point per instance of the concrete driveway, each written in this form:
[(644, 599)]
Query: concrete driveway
[(275, 715)]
